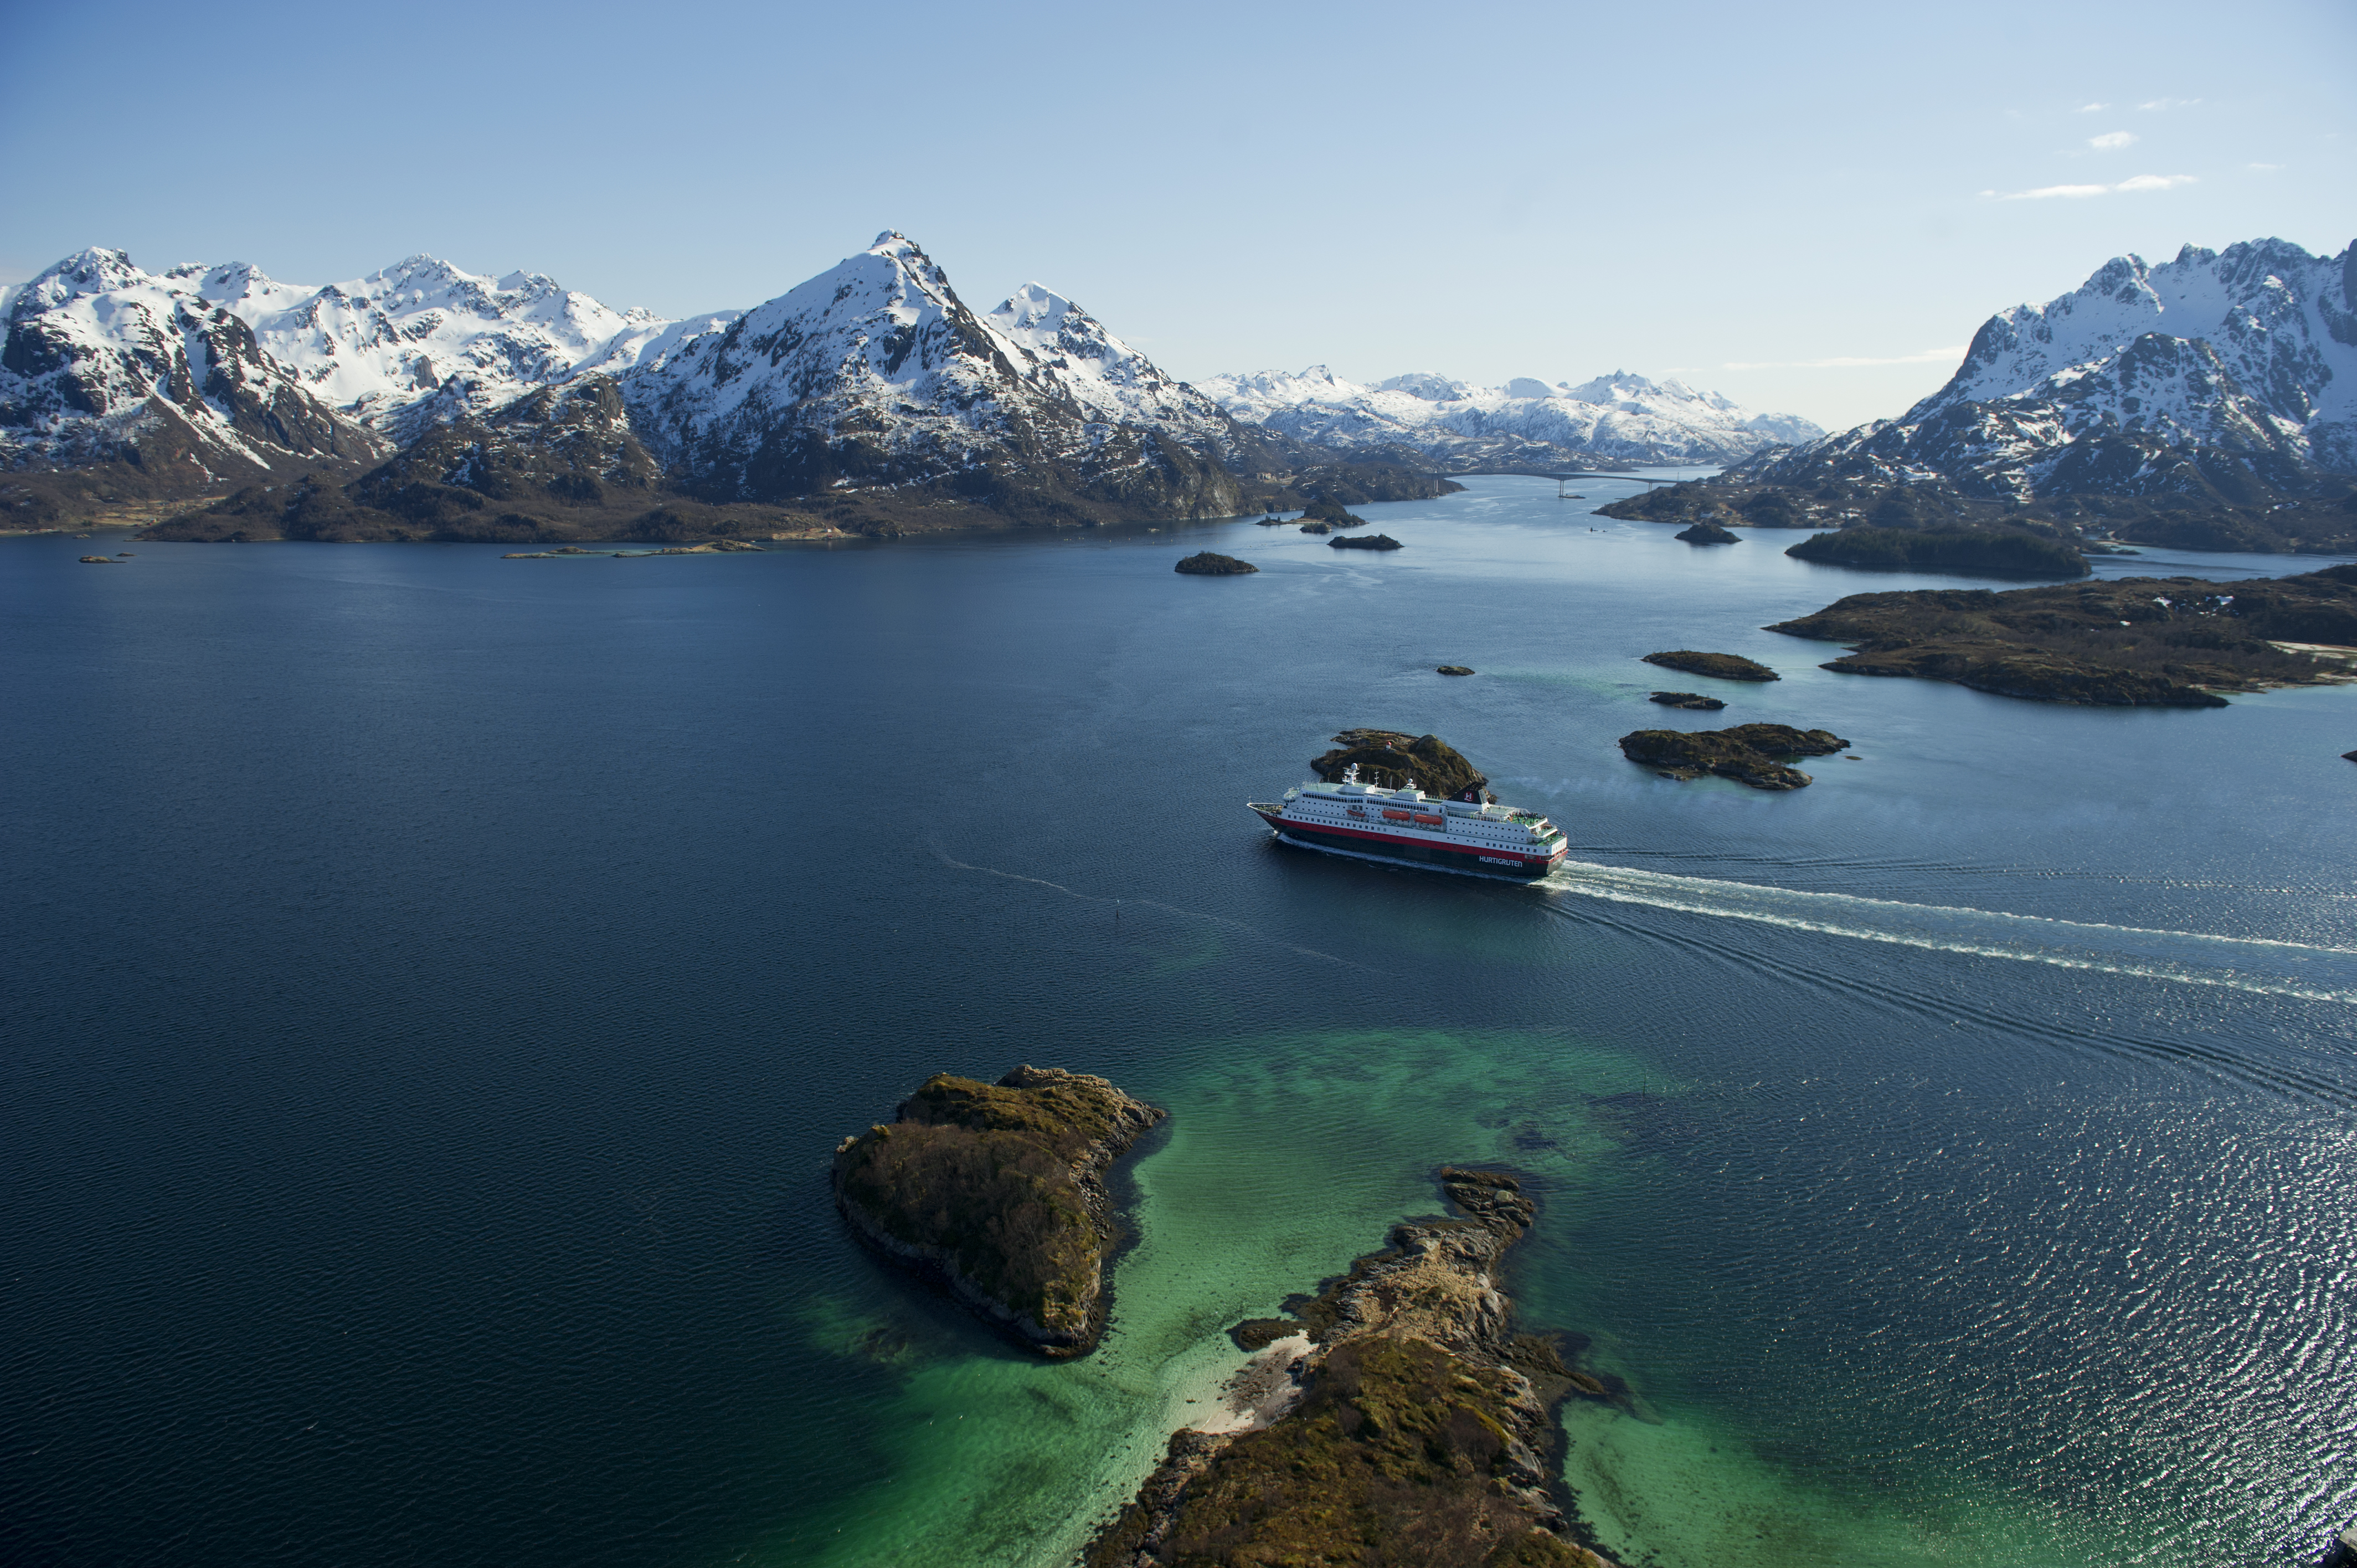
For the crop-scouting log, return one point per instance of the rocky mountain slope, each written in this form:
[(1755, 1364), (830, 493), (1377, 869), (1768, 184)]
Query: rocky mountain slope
[(2226, 376), (868, 399), (1620, 418), (104, 364), (875, 372), (422, 341)]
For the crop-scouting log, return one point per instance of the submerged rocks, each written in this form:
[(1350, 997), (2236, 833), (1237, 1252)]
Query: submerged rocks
[(1687, 700), (1364, 542), (1745, 753), (98, 560), (997, 1191), (1709, 532), (1205, 564), (1395, 760), (1424, 1425), (1456, 669), (1724, 666)]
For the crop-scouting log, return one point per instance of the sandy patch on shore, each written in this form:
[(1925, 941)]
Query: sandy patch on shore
[(1260, 1390)]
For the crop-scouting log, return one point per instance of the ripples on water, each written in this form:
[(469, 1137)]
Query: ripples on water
[(438, 982)]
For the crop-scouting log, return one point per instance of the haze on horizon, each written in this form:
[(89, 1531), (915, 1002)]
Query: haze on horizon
[(1810, 215)]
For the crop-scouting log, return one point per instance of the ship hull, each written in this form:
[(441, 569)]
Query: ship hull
[(1367, 844)]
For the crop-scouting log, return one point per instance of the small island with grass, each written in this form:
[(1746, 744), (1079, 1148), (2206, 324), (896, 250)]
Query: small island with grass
[(1395, 1418), (997, 1191), (1210, 563), (1720, 666)]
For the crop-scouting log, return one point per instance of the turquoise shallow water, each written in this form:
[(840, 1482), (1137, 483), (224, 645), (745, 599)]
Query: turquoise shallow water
[(438, 982)]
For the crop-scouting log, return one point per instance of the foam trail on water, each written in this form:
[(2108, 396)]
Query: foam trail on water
[(2269, 967)]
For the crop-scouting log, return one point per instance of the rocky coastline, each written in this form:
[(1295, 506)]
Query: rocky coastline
[(1395, 1418), (2130, 642), (997, 1192)]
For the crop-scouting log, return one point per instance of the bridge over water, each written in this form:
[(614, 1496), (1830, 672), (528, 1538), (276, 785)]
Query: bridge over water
[(1563, 480)]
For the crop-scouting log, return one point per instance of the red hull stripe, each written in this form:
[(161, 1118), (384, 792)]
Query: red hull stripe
[(1470, 852)]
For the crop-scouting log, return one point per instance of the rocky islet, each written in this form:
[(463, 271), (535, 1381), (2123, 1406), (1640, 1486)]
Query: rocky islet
[(998, 1192), (1412, 1424)]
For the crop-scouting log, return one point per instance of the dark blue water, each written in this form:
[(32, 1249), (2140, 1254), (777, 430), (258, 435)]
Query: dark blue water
[(435, 983)]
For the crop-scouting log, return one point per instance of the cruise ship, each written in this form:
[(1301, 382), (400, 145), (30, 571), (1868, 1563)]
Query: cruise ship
[(1352, 818)]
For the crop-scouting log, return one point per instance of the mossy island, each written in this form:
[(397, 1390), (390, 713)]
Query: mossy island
[(1709, 533), (1748, 754), (1694, 700), (1334, 515), (1965, 551), (1364, 542), (997, 1191), (1208, 564), (1408, 1424), (2132, 642), (1722, 666), (1395, 760)]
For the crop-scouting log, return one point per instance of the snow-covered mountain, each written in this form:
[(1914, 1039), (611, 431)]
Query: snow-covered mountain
[(2222, 374), (104, 362), (421, 343), (405, 348), (876, 372), (1620, 417)]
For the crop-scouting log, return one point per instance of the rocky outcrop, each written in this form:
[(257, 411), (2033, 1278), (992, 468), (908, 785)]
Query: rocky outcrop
[(1724, 666), (1423, 1431), (1364, 542), (1707, 533), (2133, 642), (1694, 700), (1395, 760), (1206, 563), (997, 1191), (1745, 753), (1455, 669)]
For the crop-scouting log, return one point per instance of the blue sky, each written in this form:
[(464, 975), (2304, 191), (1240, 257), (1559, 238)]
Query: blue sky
[(1808, 207)]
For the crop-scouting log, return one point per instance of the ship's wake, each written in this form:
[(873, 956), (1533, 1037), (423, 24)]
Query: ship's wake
[(2304, 971)]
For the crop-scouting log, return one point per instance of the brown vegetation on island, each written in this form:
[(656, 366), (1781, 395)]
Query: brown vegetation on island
[(1395, 760), (1424, 1435), (1745, 753), (2136, 641), (1208, 563), (1723, 666), (998, 1191)]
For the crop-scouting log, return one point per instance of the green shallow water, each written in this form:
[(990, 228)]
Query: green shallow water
[(1294, 1156)]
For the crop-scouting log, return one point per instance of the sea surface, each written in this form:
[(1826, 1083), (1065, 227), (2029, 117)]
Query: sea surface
[(434, 985)]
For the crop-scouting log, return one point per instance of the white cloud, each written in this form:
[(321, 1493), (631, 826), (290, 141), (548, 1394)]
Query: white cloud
[(1848, 361), (2159, 105), (2111, 140), (2090, 107), (2045, 191), (2079, 192)]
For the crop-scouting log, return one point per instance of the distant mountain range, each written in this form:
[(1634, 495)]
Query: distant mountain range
[(1619, 419), (2221, 375), (425, 402)]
